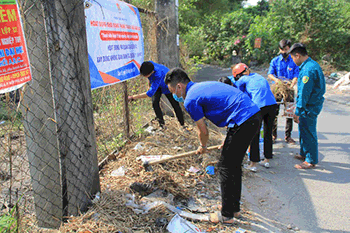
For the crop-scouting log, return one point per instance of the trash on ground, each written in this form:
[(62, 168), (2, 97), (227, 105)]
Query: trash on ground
[(210, 170), (150, 130), (194, 207), (148, 158), (142, 188), (345, 80), (119, 172), (161, 222), (193, 169), (97, 198), (139, 146), (180, 225), (344, 88), (240, 230)]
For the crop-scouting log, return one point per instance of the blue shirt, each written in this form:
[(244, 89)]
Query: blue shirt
[(157, 80), (283, 69), (311, 88), (257, 88), (232, 80), (222, 104)]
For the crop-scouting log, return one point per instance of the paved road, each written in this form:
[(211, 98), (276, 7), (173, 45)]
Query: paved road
[(284, 199)]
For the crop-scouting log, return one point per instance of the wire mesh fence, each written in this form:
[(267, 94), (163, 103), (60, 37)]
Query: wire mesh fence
[(108, 102), (54, 131)]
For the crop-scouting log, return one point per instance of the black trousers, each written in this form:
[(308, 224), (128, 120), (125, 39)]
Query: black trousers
[(174, 104), (230, 163), (289, 121), (268, 114)]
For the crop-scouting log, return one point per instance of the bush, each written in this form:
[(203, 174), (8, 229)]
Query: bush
[(323, 25), (290, 19)]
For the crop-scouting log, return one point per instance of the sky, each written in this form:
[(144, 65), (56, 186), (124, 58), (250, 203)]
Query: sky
[(252, 2)]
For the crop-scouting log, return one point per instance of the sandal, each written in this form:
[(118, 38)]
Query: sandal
[(299, 157), (264, 164), (304, 165), (237, 215), (216, 217), (290, 140)]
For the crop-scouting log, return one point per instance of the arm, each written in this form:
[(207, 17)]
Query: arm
[(304, 92), (271, 74), (139, 96), (295, 75), (203, 135), (273, 78), (155, 83), (294, 81)]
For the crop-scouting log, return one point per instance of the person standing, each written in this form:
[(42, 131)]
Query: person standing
[(309, 103), (156, 74), (258, 89), (227, 106), (284, 71)]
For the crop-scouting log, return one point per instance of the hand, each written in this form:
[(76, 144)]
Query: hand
[(201, 150), (296, 119), (221, 146), (130, 98)]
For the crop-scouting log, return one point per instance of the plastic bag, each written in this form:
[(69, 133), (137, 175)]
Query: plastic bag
[(180, 225)]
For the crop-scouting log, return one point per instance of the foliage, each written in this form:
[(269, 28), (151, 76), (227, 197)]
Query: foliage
[(289, 19), (261, 8), (193, 12), (8, 221), (145, 4), (219, 33), (195, 16), (225, 35)]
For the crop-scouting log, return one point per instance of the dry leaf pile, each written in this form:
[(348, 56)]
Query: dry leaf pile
[(282, 89), (111, 214)]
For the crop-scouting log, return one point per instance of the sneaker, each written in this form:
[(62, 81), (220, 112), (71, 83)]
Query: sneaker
[(252, 169), (289, 140), (264, 164)]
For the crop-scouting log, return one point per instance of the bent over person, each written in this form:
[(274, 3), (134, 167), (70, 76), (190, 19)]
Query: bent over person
[(156, 74), (258, 89), (223, 105)]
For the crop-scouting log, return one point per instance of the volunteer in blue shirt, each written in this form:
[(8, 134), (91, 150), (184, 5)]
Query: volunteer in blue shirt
[(258, 89), (311, 89), (223, 105), (156, 74), (284, 71)]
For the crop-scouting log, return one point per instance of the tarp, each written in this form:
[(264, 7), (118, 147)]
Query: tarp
[(115, 41), (14, 61)]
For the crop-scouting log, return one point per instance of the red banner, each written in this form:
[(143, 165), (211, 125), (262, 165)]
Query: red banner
[(14, 61)]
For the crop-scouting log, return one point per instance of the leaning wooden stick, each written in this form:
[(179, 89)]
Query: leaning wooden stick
[(147, 164)]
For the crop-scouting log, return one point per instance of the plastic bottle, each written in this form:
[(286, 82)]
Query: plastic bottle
[(261, 142), (210, 170)]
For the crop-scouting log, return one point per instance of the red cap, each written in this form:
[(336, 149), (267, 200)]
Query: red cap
[(239, 68)]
